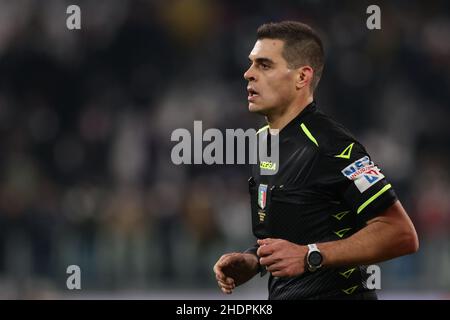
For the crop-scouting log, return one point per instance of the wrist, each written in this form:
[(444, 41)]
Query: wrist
[(252, 261)]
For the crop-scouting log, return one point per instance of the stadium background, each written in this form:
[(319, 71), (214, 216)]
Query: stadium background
[(86, 118)]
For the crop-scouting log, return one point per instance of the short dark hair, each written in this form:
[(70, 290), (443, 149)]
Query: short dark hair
[(302, 45)]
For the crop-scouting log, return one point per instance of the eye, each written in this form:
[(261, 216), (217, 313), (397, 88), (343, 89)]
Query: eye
[(265, 66)]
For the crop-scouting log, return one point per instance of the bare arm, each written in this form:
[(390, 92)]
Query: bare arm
[(386, 236), (389, 235)]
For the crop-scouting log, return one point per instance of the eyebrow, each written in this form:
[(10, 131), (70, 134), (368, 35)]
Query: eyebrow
[(262, 60)]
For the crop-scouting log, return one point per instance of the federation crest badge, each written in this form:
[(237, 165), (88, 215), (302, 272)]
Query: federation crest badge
[(262, 195)]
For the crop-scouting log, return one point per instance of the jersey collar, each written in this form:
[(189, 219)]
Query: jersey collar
[(294, 125)]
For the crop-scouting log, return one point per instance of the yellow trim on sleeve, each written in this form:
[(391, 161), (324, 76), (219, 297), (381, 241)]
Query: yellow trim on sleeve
[(372, 198)]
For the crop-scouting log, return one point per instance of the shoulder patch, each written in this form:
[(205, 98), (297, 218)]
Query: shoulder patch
[(363, 172)]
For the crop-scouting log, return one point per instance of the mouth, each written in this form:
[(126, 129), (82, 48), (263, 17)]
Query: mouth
[(252, 94)]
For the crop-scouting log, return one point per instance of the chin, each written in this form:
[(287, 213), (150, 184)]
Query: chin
[(254, 108)]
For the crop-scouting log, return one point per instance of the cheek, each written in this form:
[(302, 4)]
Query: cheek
[(282, 88)]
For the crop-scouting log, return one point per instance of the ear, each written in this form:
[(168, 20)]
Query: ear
[(304, 77)]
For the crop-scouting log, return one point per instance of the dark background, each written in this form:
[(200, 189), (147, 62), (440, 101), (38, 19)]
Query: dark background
[(86, 117)]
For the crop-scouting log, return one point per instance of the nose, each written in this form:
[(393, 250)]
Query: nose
[(249, 74)]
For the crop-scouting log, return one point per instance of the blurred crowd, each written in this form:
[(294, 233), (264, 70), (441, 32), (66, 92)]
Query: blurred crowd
[(86, 118)]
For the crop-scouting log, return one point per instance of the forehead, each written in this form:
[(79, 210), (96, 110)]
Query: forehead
[(267, 48)]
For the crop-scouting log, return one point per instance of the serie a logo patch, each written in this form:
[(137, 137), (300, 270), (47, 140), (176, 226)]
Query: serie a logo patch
[(364, 173)]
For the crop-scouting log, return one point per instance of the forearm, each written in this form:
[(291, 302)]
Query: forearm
[(385, 237)]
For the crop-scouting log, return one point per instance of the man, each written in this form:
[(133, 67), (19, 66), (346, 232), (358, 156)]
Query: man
[(328, 211)]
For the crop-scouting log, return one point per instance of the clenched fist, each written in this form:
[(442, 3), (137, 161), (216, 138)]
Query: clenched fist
[(234, 269), (281, 257)]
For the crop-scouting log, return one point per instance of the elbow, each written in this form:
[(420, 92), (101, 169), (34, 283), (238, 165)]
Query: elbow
[(410, 241), (414, 242), (403, 234)]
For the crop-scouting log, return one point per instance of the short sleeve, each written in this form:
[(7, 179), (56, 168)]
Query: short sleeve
[(359, 182), (252, 250)]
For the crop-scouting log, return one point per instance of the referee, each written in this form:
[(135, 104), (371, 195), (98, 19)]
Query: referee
[(328, 211)]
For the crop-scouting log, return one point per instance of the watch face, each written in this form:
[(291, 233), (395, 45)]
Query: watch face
[(315, 259)]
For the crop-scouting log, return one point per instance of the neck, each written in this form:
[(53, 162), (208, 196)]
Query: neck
[(281, 119)]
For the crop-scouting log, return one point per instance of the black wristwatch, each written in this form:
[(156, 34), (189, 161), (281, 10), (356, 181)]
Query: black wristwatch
[(313, 258)]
